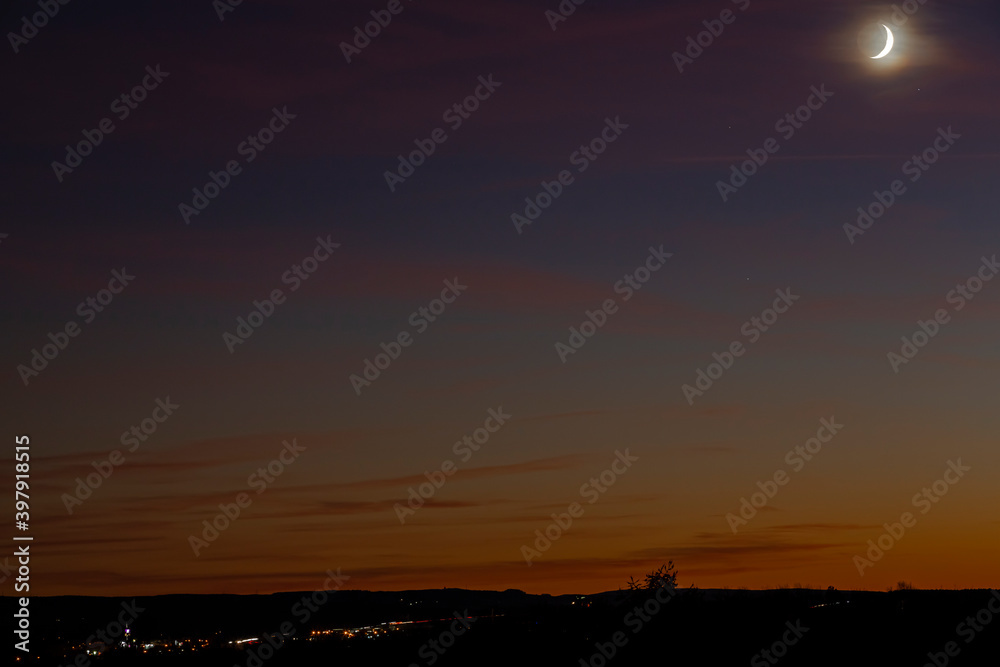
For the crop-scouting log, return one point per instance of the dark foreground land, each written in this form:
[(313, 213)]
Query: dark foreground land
[(694, 627)]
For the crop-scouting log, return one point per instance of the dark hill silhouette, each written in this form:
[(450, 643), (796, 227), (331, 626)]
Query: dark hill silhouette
[(695, 626)]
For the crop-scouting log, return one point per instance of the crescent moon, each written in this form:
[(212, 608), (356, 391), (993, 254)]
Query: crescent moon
[(888, 43)]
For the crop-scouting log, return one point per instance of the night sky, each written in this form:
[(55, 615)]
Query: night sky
[(632, 142)]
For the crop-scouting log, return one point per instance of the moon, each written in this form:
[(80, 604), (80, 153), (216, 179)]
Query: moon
[(888, 43)]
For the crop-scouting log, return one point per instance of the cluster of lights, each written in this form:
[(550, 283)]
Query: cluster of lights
[(367, 631)]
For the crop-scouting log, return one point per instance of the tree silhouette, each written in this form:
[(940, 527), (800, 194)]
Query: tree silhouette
[(664, 576)]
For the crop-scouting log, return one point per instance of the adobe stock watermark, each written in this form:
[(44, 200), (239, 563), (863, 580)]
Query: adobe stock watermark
[(957, 298), (915, 167), (900, 15), (122, 106), (635, 620), (88, 310), (464, 448), (565, 9), (591, 490), (294, 277), (431, 651), (752, 329), (249, 149), (779, 649), (302, 610), (713, 29), (31, 25), (967, 630), (796, 458), (455, 116), (260, 481), (787, 126), (363, 35), (924, 501), (132, 438), (627, 287), (223, 7), (581, 158), (420, 320)]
